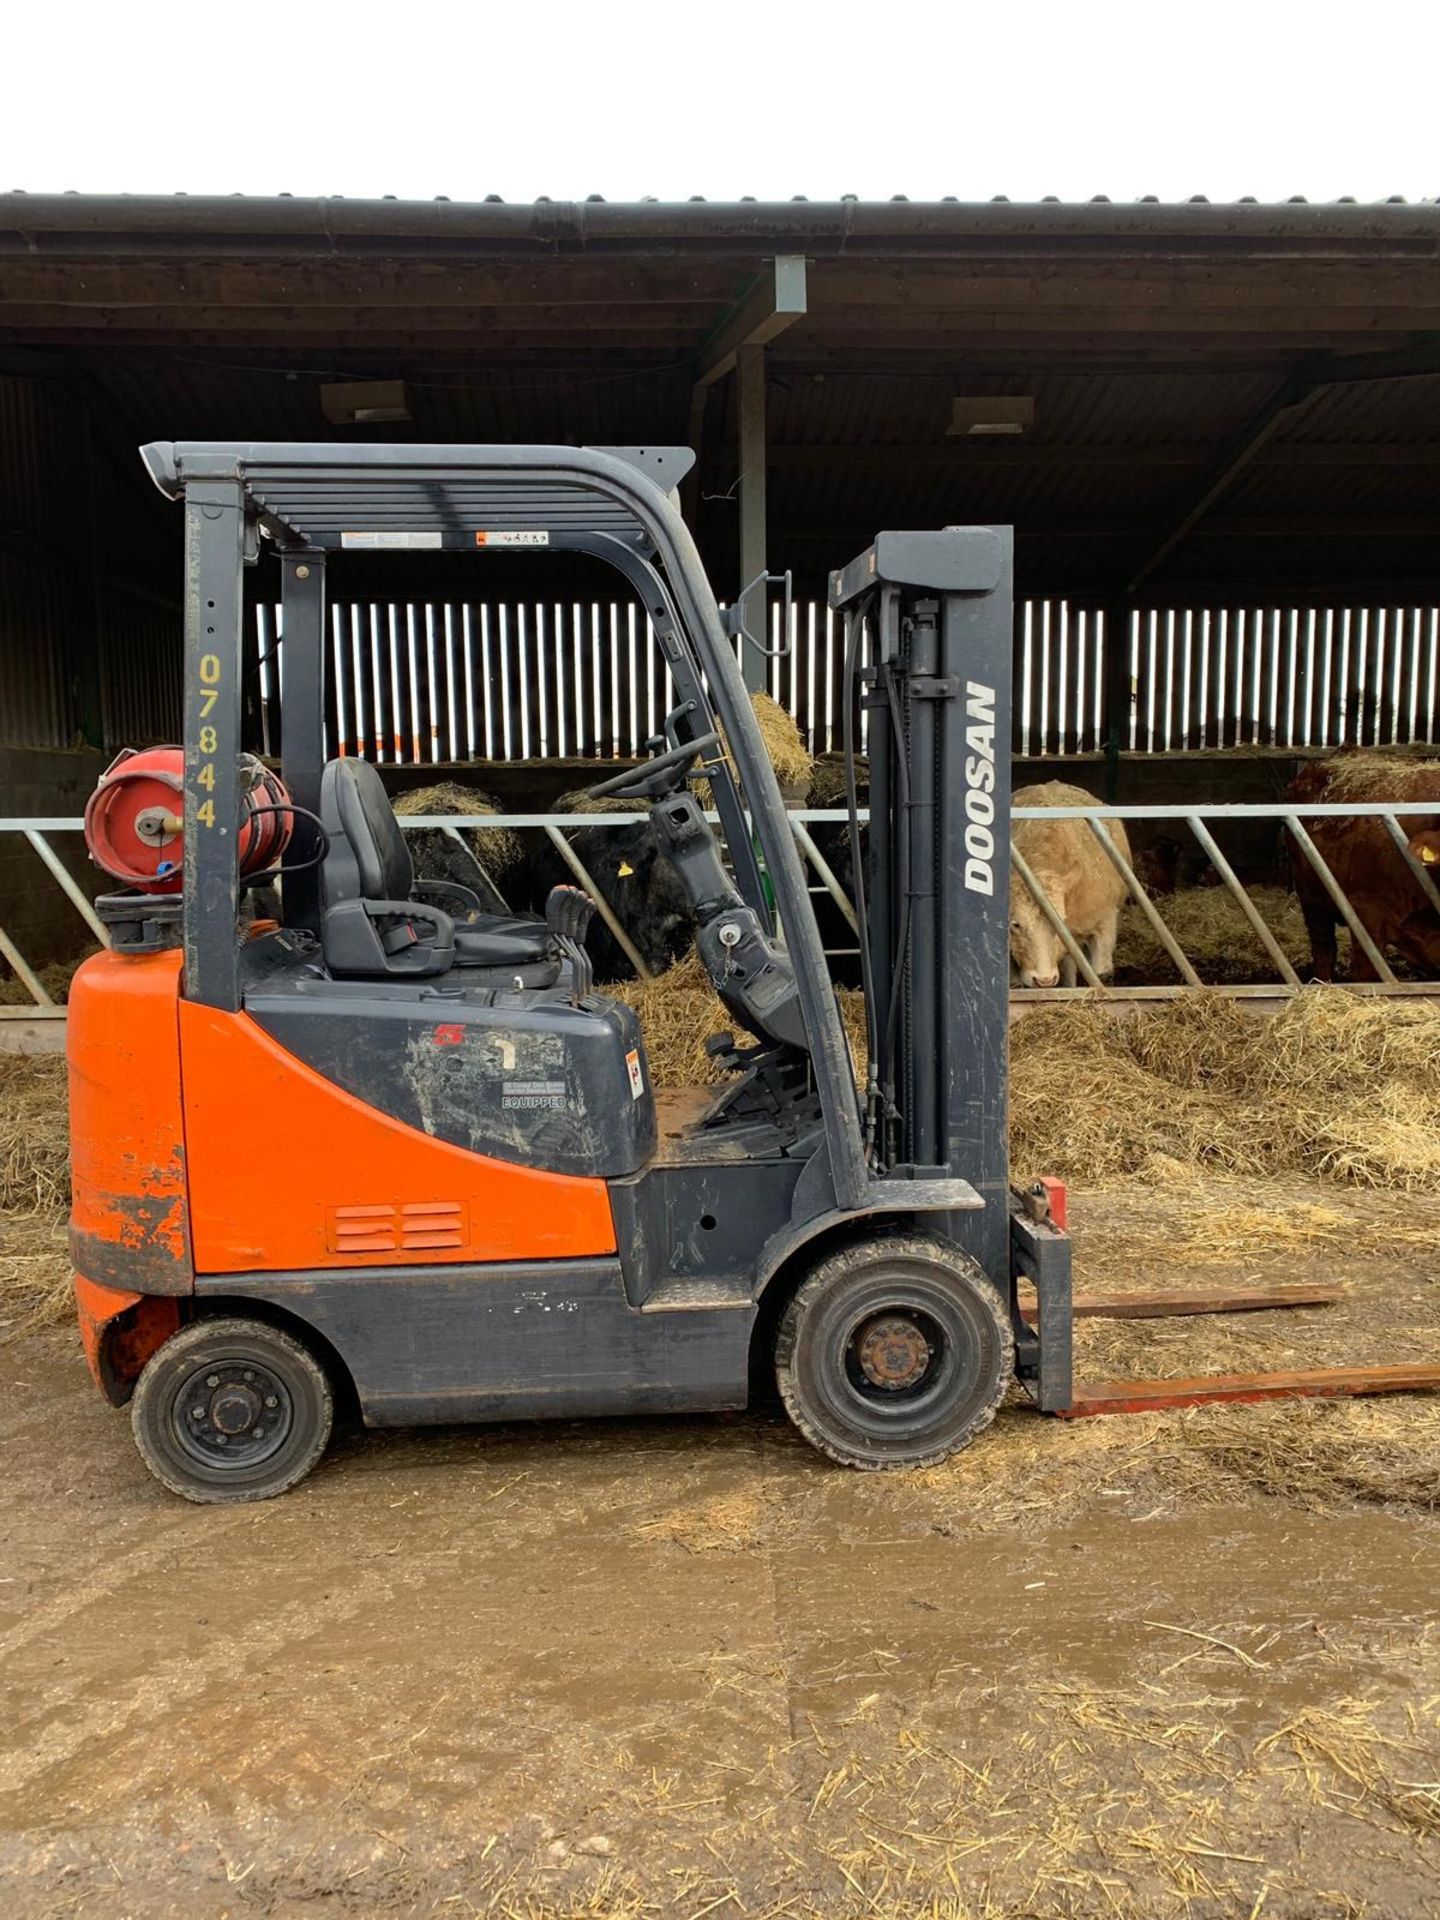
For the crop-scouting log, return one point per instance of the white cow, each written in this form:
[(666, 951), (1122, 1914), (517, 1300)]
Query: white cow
[(1081, 883)]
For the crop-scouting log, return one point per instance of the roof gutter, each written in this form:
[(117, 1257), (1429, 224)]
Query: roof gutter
[(66, 224)]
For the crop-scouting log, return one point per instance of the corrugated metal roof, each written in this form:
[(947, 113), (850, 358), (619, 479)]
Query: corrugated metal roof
[(799, 199)]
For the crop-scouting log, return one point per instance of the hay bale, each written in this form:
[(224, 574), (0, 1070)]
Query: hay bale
[(1215, 936), (499, 850)]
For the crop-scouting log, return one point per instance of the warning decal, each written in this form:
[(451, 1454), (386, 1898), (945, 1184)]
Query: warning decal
[(492, 539), (637, 1076), (408, 542)]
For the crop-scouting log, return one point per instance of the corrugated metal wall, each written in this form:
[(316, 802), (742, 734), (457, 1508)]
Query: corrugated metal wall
[(434, 681), (141, 668), (37, 695), (86, 655)]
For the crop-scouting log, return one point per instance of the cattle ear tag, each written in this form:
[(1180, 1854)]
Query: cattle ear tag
[(624, 871), (1429, 856)]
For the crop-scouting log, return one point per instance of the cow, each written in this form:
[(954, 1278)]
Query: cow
[(1369, 868), (630, 874), (1079, 880)]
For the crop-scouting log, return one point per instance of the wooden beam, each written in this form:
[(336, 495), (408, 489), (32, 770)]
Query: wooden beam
[(775, 301), (584, 285), (695, 440), (881, 288), (1180, 1306), (1294, 391), (992, 452), (1417, 361), (1116, 527), (1325, 1383), (750, 379)]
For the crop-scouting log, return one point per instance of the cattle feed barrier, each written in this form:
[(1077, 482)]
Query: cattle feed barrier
[(1199, 820)]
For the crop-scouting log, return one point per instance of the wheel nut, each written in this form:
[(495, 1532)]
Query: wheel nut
[(212, 1379), (271, 1401), (222, 1439), (259, 1433), (248, 1374), (197, 1413)]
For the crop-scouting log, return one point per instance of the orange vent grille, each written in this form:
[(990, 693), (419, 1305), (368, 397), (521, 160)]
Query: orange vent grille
[(419, 1226)]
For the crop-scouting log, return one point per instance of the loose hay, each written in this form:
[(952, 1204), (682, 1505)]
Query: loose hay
[(1213, 933), (827, 783), (55, 978), (679, 1012), (579, 801), (1334, 1086), (1382, 776), (788, 753), (1337, 1086), (498, 849), (34, 1190), (34, 1142)]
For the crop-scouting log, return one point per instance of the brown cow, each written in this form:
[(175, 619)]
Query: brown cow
[(1371, 871)]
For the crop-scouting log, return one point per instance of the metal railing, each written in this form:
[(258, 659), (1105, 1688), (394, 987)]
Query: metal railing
[(1201, 821)]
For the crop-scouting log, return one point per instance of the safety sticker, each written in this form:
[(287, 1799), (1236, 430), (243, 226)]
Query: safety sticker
[(410, 542), (530, 1094), (511, 539), (637, 1076)]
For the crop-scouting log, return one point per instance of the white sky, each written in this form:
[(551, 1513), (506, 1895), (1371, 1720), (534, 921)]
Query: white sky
[(723, 100)]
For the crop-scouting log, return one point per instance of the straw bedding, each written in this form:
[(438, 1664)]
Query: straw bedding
[(1334, 1086)]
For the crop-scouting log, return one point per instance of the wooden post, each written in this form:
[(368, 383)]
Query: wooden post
[(750, 378)]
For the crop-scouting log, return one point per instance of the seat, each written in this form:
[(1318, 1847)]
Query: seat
[(378, 922)]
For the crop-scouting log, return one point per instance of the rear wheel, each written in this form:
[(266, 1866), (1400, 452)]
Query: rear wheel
[(231, 1409), (894, 1353)]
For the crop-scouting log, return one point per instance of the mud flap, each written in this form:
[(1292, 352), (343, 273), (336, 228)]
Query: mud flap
[(119, 1332)]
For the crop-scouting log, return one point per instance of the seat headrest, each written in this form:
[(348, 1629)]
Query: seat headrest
[(368, 857)]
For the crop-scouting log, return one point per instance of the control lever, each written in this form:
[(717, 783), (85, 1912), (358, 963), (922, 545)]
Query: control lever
[(568, 913)]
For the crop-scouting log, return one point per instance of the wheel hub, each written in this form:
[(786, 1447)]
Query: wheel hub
[(893, 1353), (232, 1412), (235, 1409)]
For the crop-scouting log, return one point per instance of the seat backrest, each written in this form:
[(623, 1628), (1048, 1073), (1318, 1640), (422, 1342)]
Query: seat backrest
[(370, 928), (367, 857)]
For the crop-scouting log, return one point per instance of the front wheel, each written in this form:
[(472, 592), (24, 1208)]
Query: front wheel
[(231, 1409), (894, 1353)]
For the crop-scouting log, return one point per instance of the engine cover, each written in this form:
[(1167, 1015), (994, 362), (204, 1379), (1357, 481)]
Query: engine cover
[(515, 1074)]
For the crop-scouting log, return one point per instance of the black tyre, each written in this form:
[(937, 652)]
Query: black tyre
[(894, 1353), (231, 1409)]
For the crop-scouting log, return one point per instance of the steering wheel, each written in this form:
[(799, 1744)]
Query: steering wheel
[(636, 783)]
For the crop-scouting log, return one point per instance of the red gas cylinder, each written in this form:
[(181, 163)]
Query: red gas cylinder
[(133, 819)]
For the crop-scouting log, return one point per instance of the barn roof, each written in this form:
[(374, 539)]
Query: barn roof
[(1237, 394)]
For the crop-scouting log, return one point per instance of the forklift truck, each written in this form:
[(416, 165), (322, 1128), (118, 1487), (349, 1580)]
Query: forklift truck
[(387, 1145)]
